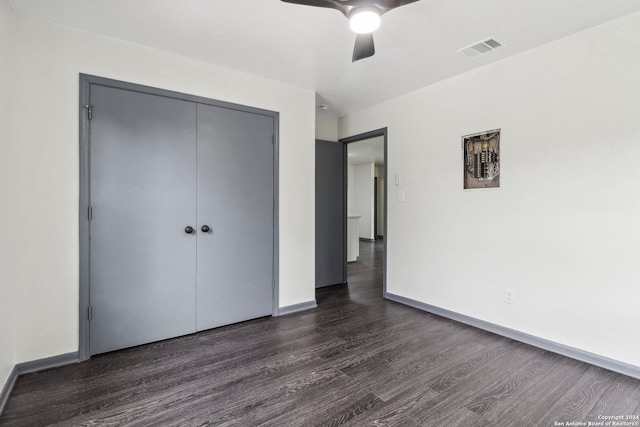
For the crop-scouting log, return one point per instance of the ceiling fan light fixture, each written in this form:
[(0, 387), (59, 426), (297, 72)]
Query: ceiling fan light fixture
[(364, 20)]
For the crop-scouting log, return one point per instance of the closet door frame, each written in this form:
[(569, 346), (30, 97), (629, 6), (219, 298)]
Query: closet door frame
[(86, 82)]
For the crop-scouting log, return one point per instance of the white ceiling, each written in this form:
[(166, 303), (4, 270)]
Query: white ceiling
[(366, 151), (311, 47)]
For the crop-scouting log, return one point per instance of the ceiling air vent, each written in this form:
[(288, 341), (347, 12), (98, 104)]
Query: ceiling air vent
[(482, 47)]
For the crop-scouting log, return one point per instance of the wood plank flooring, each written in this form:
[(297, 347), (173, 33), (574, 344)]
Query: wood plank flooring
[(357, 360)]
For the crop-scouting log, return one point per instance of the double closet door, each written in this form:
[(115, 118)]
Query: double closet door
[(182, 221)]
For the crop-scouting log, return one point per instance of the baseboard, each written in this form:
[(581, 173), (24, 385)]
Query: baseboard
[(8, 387), (565, 350), (34, 366), (328, 286), (47, 363), (297, 307)]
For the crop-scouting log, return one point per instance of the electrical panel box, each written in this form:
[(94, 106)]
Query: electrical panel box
[(481, 166)]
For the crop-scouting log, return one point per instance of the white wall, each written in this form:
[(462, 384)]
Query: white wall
[(326, 128), (7, 345), (363, 198), (563, 229), (351, 190), (44, 192)]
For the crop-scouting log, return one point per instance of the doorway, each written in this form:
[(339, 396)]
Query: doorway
[(366, 194)]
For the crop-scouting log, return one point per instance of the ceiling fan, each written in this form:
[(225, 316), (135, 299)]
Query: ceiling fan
[(364, 19)]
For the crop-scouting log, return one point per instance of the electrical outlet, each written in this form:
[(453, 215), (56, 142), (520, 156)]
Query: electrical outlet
[(509, 296)]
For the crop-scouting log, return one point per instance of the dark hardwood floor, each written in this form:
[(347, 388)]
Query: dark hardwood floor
[(356, 360)]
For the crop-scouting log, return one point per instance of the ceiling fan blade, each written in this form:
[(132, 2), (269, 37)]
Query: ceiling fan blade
[(331, 4), (392, 4), (346, 6), (364, 47)]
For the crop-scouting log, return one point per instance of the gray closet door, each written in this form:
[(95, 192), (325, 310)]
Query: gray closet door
[(143, 195), (236, 201), (330, 214)]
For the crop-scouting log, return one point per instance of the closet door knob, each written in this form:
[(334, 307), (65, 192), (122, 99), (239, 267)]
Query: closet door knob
[(188, 230), (205, 229)]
